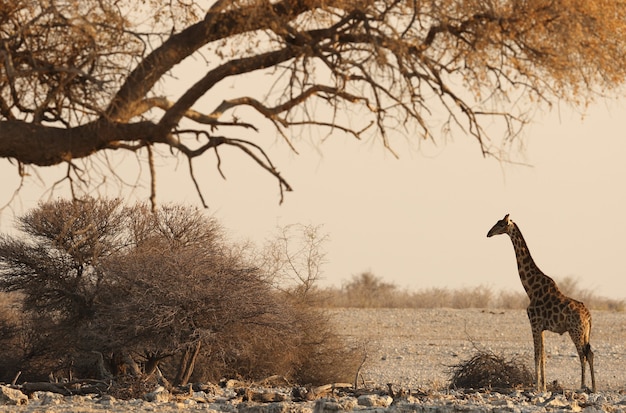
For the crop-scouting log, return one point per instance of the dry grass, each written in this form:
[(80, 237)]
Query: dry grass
[(367, 291)]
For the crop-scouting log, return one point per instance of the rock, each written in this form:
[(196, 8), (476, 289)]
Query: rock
[(159, 395), (592, 409), (326, 405), (47, 398), (408, 405), (12, 396), (107, 399), (280, 407), (264, 396), (374, 400)]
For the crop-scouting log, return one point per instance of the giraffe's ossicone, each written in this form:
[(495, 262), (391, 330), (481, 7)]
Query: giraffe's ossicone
[(549, 308)]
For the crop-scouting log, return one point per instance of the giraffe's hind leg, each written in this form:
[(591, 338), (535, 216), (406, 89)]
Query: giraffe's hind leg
[(589, 357), (585, 354)]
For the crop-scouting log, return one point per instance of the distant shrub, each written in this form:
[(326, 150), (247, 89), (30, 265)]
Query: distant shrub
[(511, 300), (476, 297), (367, 290), (431, 298)]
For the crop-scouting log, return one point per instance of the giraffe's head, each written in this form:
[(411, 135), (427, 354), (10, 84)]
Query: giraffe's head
[(501, 227)]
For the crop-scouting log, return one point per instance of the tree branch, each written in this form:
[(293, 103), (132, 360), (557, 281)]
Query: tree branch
[(216, 24), (48, 145), (234, 67)]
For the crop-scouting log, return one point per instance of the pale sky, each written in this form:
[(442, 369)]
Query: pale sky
[(421, 221)]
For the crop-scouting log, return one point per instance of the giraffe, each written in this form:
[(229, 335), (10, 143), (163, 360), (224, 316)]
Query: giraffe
[(549, 308)]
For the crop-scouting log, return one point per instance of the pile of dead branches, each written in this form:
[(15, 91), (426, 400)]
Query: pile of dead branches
[(486, 370)]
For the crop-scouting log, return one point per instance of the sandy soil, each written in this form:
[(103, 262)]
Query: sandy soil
[(415, 348)]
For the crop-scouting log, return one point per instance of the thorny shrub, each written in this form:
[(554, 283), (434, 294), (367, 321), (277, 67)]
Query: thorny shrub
[(95, 278), (486, 370)]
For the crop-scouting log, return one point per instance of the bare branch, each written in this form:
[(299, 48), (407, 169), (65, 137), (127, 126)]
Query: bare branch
[(163, 103)]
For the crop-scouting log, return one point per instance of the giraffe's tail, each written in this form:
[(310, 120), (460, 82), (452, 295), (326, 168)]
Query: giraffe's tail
[(587, 350)]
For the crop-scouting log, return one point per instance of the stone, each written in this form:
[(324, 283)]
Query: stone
[(374, 400), (12, 396), (107, 399), (328, 405), (280, 407), (46, 398), (159, 395)]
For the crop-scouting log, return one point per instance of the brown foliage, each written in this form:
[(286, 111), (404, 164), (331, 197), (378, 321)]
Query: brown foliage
[(323, 357), (80, 77), (141, 289)]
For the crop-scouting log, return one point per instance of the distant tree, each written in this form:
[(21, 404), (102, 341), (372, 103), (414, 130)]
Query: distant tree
[(79, 79), (369, 291), (294, 259)]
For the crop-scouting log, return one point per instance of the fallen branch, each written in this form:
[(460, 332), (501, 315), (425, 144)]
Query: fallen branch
[(76, 387)]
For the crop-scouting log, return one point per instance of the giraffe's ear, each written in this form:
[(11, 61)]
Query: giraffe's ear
[(506, 218)]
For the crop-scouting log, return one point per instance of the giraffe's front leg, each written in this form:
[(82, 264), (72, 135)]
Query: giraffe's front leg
[(540, 360)]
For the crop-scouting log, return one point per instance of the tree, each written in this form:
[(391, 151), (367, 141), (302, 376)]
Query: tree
[(150, 289), (79, 79), (56, 267), (182, 291), (293, 260)]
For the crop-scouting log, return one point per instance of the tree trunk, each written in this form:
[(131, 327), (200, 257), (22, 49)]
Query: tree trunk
[(132, 365), (102, 372), (187, 364)]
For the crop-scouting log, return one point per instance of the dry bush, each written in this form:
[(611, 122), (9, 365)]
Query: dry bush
[(366, 290), (511, 300), (570, 287), (475, 297), (11, 338), (24, 346), (249, 352), (606, 304), (370, 291), (486, 370), (323, 356), (10, 317), (129, 387), (156, 289), (431, 298), (308, 352)]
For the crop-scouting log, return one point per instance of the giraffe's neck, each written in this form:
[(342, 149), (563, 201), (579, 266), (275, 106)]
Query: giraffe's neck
[(530, 275)]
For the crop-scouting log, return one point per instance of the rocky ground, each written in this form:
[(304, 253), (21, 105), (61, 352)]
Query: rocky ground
[(414, 350)]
